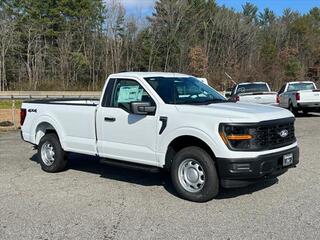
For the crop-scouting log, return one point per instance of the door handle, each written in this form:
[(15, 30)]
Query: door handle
[(109, 119)]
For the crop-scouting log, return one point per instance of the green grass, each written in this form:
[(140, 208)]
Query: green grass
[(7, 104)]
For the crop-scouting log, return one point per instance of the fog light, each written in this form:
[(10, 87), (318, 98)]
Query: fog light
[(241, 167)]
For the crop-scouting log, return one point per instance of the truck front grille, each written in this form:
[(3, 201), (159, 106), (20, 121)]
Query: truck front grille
[(275, 134)]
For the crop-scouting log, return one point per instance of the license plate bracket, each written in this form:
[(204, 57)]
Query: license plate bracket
[(287, 160)]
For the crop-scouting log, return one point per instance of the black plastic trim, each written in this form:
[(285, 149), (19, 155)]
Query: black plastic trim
[(54, 101), (164, 121), (130, 165), (263, 123), (263, 166)]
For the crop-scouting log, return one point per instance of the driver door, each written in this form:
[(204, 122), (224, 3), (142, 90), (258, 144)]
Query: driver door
[(123, 135)]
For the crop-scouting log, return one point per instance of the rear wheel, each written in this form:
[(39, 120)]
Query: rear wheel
[(305, 112), (292, 109), (194, 175), (51, 156)]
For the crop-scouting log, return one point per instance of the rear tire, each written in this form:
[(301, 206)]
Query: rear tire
[(292, 109), (194, 175), (305, 112), (51, 156)]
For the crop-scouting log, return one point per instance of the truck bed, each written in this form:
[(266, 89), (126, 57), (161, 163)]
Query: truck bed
[(76, 122)]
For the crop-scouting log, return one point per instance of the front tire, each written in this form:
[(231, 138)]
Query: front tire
[(51, 156), (194, 175)]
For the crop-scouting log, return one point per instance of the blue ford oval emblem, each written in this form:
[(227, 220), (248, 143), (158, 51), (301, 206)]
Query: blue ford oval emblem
[(284, 133)]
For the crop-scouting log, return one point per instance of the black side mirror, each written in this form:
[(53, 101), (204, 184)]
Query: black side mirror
[(227, 95), (142, 108)]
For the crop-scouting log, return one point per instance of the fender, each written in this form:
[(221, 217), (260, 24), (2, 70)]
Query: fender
[(51, 121), (183, 131)]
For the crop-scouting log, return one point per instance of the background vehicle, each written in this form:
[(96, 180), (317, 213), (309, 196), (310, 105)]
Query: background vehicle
[(297, 96), (228, 91), (171, 121), (255, 92), (204, 80)]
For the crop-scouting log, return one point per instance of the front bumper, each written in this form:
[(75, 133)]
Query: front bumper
[(243, 172)]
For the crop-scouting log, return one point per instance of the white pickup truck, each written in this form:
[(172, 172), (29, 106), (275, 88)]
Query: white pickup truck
[(254, 92), (300, 96), (166, 121)]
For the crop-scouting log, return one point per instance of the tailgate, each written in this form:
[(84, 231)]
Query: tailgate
[(309, 96), (262, 98)]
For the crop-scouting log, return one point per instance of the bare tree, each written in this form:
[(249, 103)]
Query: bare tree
[(7, 32)]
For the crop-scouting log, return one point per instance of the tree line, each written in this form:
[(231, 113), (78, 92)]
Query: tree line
[(67, 44)]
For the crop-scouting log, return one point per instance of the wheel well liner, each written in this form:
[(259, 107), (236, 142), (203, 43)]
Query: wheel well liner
[(185, 141), (42, 129)]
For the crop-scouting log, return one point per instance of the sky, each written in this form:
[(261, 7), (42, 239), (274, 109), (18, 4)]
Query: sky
[(145, 7), (139, 7), (302, 6)]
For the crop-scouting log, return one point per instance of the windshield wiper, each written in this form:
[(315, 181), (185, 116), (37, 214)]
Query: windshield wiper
[(207, 102)]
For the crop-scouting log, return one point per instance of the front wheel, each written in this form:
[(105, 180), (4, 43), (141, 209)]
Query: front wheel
[(194, 175), (51, 156)]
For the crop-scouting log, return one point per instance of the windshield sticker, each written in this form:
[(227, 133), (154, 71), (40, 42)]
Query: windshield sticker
[(130, 94)]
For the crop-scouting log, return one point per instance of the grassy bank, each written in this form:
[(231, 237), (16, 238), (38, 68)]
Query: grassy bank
[(7, 104)]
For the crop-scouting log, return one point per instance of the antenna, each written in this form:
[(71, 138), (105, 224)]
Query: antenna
[(234, 82)]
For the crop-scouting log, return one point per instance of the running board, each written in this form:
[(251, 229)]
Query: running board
[(129, 165)]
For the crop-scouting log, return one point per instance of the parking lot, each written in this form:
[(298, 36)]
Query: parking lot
[(94, 201)]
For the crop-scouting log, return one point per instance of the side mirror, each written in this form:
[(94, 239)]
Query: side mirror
[(142, 108), (227, 95)]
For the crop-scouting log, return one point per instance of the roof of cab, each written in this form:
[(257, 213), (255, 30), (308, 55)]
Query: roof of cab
[(147, 74), (296, 82), (247, 83)]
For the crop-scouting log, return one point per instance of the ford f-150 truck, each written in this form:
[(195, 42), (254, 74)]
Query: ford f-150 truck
[(166, 121), (254, 92), (300, 96)]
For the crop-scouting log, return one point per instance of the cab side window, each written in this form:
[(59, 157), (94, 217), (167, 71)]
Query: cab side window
[(127, 91), (233, 91)]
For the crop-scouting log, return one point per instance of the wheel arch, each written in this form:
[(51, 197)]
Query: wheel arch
[(44, 126), (184, 141)]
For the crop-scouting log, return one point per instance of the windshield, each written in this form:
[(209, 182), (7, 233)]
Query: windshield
[(252, 88), (300, 86), (184, 90)]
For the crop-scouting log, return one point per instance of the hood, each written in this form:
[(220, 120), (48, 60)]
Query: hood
[(237, 112)]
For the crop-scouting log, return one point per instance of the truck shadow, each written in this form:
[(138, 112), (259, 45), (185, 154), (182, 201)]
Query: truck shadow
[(308, 115), (92, 165)]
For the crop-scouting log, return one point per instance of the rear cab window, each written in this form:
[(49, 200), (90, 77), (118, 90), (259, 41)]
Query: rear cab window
[(300, 86), (252, 88)]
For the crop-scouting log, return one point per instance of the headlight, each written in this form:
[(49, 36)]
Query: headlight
[(238, 137)]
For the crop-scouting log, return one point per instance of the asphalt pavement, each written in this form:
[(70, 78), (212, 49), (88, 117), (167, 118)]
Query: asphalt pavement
[(94, 201)]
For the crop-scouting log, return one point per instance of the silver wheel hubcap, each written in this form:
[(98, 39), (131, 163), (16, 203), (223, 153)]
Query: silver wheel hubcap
[(191, 175), (47, 154)]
